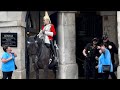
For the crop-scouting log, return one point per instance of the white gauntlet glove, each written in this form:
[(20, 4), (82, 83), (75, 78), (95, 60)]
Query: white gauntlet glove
[(49, 33)]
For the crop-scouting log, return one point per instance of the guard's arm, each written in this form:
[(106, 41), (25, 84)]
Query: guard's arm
[(49, 33), (115, 50)]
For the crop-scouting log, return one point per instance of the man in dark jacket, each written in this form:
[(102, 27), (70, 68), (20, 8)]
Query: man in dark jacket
[(90, 53)]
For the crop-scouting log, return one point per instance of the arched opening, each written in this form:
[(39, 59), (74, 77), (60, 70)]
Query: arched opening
[(90, 24), (33, 25)]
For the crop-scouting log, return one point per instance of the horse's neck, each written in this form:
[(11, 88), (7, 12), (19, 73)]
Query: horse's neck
[(43, 53), (42, 48)]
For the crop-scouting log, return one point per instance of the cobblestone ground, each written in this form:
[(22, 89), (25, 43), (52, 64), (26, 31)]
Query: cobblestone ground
[(41, 76), (92, 78), (50, 75), (33, 76)]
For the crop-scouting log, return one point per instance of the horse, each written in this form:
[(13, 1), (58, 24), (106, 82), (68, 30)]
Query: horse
[(41, 54)]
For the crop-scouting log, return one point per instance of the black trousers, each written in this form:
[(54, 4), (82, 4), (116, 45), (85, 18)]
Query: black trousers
[(52, 47), (112, 74), (89, 68), (7, 75), (105, 75)]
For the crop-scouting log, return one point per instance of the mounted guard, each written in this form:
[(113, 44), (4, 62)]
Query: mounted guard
[(48, 31)]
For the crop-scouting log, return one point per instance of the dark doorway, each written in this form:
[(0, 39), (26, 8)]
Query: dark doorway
[(88, 26), (54, 21)]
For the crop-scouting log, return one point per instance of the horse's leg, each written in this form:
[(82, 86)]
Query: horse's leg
[(36, 70), (54, 71), (46, 72), (37, 73)]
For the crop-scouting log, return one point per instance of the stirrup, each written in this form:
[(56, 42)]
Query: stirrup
[(50, 60)]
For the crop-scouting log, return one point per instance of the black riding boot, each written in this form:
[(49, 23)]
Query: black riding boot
[(53, 49), (53, 59)]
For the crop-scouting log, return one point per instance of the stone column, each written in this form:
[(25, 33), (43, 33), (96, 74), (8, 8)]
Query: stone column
[(14, 22), (118, 31), (68, 68), (110, 27)]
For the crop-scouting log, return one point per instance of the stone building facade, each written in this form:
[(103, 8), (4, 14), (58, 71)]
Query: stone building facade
[(14, 22)]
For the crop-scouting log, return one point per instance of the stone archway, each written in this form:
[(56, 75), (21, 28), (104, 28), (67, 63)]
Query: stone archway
[(67, 67), (15, 22), (66, 41), (109, 26)]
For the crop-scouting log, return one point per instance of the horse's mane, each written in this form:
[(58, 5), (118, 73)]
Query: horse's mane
[(42, 49)]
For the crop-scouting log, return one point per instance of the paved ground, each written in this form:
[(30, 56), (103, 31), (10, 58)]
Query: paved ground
[(50, 75)]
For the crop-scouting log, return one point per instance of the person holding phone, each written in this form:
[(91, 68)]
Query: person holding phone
[(8, 63), (105, 66)]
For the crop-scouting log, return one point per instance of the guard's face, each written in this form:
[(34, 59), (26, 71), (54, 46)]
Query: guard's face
[(105, 40), (45, 21), (95, 42)]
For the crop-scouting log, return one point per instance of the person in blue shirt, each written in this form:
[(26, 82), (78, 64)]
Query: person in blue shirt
[(104, 59), (8, 64), (113, 50)]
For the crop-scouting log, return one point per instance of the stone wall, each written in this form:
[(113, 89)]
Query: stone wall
[(118, 33), (110, 27), (66, 33), (14, 22)]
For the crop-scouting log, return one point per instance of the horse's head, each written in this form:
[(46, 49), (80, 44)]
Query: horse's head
[(32, 45), (39, 41)]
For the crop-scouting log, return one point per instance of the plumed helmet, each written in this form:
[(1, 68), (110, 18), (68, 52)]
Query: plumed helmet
[(47, 16)]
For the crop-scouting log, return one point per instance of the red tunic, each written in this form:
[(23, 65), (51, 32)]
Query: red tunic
[(52, 29)]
